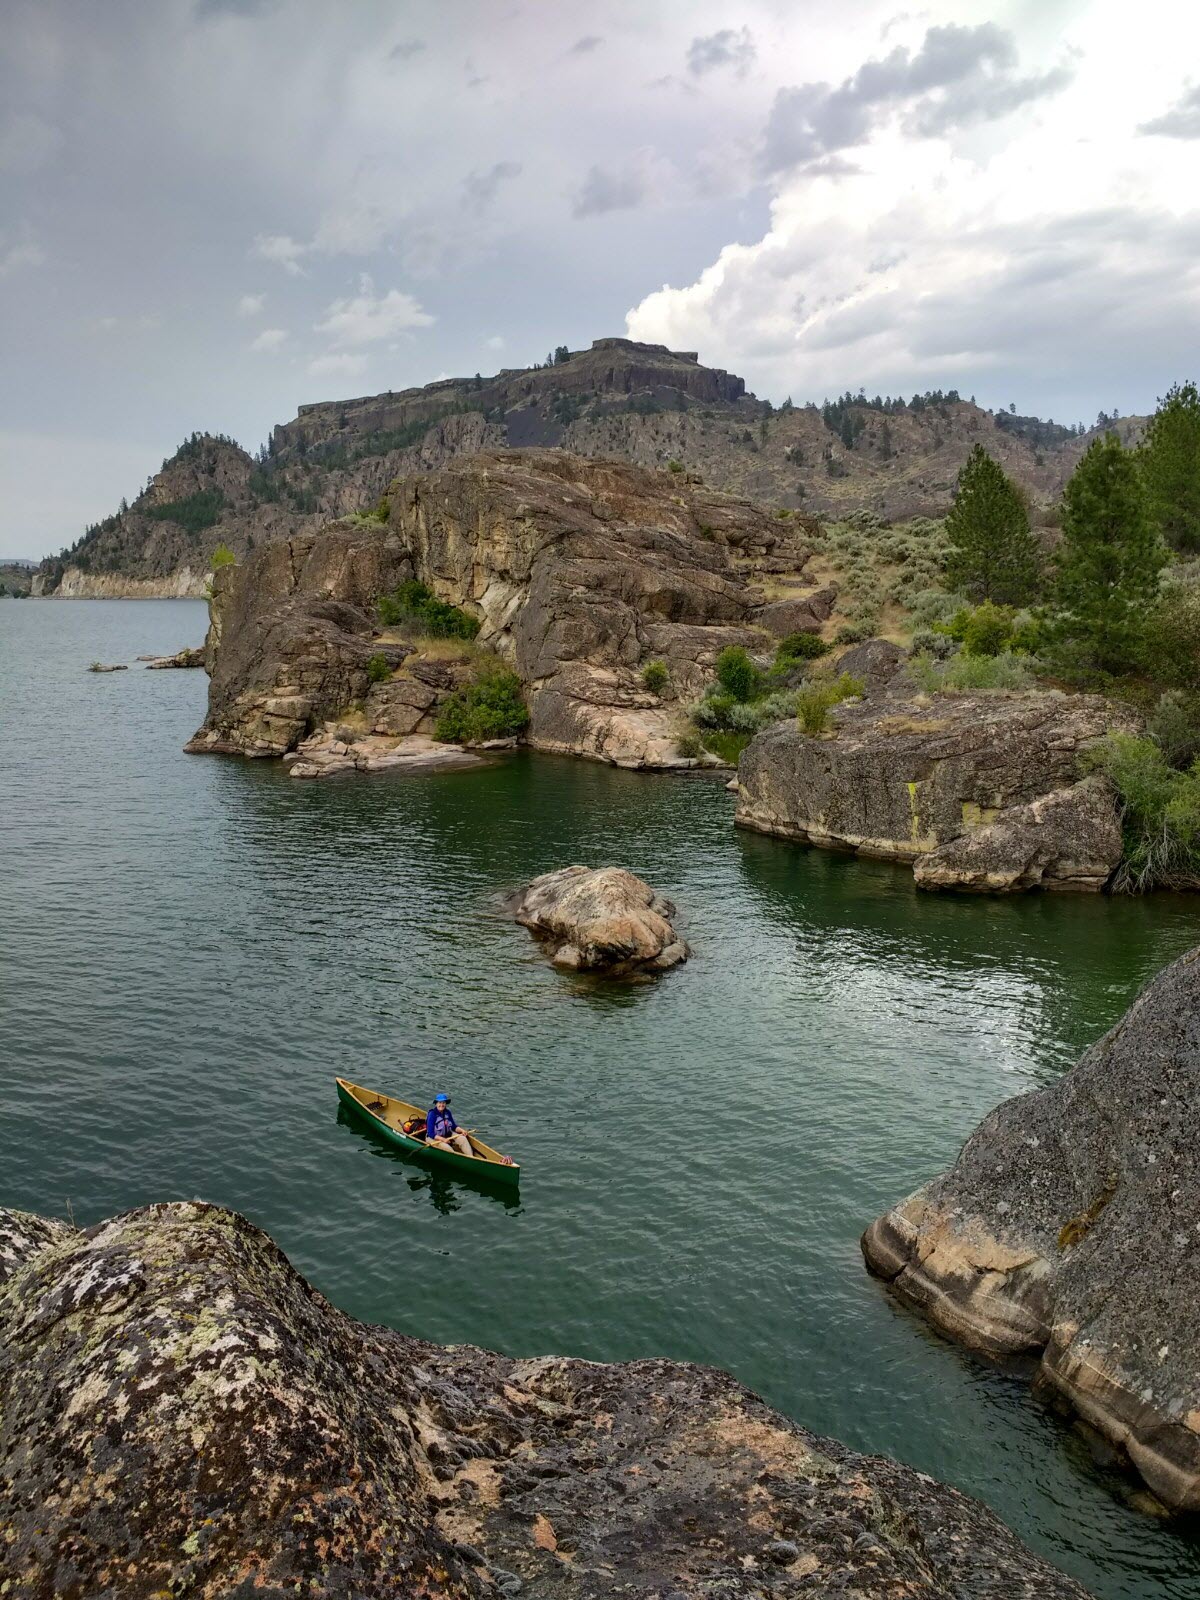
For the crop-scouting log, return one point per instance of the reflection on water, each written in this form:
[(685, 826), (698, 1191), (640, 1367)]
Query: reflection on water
[(442, 1187), (193, 948)]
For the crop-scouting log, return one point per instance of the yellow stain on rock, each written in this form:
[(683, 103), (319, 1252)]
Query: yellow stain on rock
[(976, 816)]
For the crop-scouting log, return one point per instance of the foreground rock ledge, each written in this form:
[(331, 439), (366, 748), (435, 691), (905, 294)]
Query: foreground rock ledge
[(181, 1413), (600, 919), (1070, 1226)]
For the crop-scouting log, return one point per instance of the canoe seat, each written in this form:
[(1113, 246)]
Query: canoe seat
[(377, 1105)]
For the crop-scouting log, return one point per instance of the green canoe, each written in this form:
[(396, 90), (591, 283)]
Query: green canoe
[(387, 1116)]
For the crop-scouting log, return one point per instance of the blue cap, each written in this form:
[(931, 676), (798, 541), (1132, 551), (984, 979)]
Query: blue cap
[(441, 1095)]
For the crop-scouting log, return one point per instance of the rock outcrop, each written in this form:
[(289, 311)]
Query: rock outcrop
[(600, 919), (579, 572), (180, 1413), (1069, 1229), (185, 658), (981, 792)]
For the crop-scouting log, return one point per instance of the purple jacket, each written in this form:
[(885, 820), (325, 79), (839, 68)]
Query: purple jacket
[(439, 1124)]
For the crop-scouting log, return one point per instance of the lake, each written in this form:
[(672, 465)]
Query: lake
[(192, 947)]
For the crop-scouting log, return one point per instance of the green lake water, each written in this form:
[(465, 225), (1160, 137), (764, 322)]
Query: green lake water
[(191, 948)]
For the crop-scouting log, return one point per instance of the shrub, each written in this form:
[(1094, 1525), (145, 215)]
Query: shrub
[(924, 671), (987, 630), (674, 466), (1160, 814), (852, 633), (655, 676), (222, 556), (963, 674), (728, 746), (1174, 725), (416, 603), (492, 707), (798, 647), (930, 642), (378, 668), (689, 745), (1170, 646), (737, 674), (815, 700)]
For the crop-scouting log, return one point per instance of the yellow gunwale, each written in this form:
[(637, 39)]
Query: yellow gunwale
[(395, 1112)]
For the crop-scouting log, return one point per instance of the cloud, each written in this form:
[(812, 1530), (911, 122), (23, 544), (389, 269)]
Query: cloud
[(480, 187), (727, 48), (27, 142), (585, 46), (338, 366), (1182, 121), (937, 279), (251, 304), (406, 49), (367, 317), (269, 339), (21, 251), (282, 249), (496, 342), (960, 75)]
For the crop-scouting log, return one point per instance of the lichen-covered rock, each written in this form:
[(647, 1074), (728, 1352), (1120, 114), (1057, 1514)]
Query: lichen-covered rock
[(1070, 1227), (180, 1413), (600, 919), (579, 573), (983, 791)]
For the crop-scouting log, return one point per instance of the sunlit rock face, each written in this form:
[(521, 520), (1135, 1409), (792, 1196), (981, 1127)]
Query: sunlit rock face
[(579, 572), (182, 1414), (1068, 1228), (980, 792)]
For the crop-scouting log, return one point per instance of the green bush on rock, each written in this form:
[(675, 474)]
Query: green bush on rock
[(492, 707), (815, 700), (737, 674), (378, 668), (655, 676), (1160, 814), (416, 604)]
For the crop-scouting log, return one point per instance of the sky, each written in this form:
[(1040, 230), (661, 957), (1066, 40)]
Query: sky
[(214, 211)]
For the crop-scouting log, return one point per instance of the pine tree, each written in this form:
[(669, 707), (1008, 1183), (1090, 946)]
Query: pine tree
[(1170, 462), (1108, 563), (993, 555)]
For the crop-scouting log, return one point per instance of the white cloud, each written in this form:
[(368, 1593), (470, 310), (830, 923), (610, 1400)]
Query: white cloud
[(269, 339), (343, 365), (250, 305), (496, 342), (282, 249), (20, 251), (936, 251), (368, 317)]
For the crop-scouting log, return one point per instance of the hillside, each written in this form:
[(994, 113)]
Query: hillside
[(619, 399)]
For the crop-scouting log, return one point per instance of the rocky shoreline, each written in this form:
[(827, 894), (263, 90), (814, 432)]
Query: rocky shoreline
[(1068, 1230), (180, 1412)]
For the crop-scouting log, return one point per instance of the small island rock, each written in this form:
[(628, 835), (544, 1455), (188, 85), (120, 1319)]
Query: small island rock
[(601, 919)]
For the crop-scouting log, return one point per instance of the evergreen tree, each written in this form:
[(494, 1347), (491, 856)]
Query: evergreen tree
[(1170, 461), (1107, 565), (993, 555)]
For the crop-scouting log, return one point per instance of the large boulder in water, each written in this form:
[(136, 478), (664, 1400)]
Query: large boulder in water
[(182, 1414), (1069, 1228), (600, 919), (980, 791)]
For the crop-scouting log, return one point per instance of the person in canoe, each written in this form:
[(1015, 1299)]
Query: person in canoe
[(442, 1130)]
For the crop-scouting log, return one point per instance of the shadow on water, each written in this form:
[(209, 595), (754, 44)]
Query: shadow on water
[(444, 1191)]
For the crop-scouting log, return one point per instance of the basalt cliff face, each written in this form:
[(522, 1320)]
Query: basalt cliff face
[(579, 571), (181, 1413), (979, 792), (1069, 1229), (618, 400)]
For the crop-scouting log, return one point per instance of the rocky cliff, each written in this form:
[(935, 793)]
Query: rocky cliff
[(618, 400), (181, 1413), (579, 572), (1068, 1229), (980, 792)]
